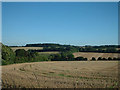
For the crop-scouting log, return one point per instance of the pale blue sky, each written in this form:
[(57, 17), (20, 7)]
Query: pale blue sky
[(65, 23)]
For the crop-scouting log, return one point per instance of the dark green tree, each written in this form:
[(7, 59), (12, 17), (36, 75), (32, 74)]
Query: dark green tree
[(109, 58), (8, 56), (100, 58), (70, 57), (93, 59), (21, 53)]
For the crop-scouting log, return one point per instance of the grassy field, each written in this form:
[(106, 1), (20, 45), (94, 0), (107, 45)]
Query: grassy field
[(63, 74), (26, 48), (89, 55)]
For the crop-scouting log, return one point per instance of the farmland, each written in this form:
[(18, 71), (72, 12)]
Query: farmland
[(63, 74), (52, 52), (26, 48), (59, 66), (34, 48), (89, 55)]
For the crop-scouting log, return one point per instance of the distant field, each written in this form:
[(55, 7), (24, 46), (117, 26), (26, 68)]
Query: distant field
[(118, 48), (52, 52), (61, 74), (89, 55), (26, 48)]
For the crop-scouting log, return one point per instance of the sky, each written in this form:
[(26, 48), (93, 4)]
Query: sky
[(72, 23)]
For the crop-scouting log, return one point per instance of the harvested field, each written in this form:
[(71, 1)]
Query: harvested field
[(61, 74), (89, 55), (117, 48), (26, 48), (52, 52)]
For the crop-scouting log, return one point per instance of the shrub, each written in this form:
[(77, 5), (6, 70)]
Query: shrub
[(93, 59), (114, 58), (21, 53), (100, 58), (85, 59), (104, 59), (8, 56), (81, 58), (109, 58)]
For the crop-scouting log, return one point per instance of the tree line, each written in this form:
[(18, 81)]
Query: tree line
[(65, 54), (64, 48), (22, 56)]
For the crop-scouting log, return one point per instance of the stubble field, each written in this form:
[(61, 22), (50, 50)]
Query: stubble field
[(63, 74), (26, 48), (89, 55)]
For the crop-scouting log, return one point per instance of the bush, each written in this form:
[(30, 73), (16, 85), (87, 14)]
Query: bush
[(114, 58), (100, 58), (81, 59), (56, 57), (8, 56), (70, 57), (85, 59), (93, 59), (109, 58), (21, 53), (104, 59), (4, 62)]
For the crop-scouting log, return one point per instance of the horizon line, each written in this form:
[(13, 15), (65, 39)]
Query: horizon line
[(64, 44)]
